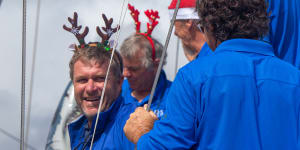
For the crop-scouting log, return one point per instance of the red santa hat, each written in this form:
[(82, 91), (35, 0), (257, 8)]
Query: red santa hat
[(187, 9)]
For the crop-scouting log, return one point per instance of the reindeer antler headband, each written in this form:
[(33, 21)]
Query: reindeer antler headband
[(80, 37), (152, 16)]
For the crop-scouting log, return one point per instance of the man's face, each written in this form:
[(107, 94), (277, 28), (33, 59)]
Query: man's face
[(139, 77), (88, 83), (189, 52), (182, 30)]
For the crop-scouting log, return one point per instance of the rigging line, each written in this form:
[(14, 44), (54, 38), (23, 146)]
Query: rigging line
[(23, 76), (107, 73), (32, 70), (163, 55), (123, 21), (16, 138), (176, 59)]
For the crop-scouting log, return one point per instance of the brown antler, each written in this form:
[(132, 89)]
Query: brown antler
[(75, 29), (135, 15), (152, 16), (107, 29)]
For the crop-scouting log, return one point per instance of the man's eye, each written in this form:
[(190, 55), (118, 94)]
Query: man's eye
[(100, 79), (81, 80), (133, 69)]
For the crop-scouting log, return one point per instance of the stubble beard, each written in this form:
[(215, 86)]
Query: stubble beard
[(190, 52)]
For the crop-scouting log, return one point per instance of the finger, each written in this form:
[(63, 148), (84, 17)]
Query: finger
[(132, 115), (145, 106), (125, 127), (139, 109), (153, 115)]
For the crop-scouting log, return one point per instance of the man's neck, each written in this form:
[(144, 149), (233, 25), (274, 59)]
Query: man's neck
[(140, 95), (90, 123), (198, 42)]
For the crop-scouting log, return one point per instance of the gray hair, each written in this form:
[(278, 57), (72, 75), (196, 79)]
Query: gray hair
[(137, 42)]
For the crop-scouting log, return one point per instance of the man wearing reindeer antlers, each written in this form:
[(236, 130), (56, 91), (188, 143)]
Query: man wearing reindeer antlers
[(141, 55), (240, 98), (88, 68)]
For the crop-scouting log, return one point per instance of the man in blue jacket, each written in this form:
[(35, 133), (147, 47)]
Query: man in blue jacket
[(242, 97), (186, 29), (140, 68), (88, 68), (88, 72), (284, 33)]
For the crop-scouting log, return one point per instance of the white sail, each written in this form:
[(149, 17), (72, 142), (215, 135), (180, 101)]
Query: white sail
[(67, 110)]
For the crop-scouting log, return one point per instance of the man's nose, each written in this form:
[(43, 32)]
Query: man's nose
[(91, 87), (175, 32), (126, 73)]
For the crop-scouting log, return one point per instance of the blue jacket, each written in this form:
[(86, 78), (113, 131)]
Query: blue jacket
[(160, 94), (240, 98), (109, 132), (285, 29), (205, 51)]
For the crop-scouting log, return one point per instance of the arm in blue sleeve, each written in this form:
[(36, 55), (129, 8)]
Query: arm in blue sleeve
[(176, 130)]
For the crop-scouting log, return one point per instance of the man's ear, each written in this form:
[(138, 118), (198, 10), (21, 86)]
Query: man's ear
[(156, 62), (120, 83), (189, 23), (121, 80)]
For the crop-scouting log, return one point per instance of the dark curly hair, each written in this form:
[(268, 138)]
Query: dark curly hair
[(230, 19)]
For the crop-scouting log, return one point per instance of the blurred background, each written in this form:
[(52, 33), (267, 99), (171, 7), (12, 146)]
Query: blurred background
[(53, 55)]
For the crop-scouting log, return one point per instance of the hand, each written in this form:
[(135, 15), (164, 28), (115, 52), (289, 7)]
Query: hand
[(139, 123)]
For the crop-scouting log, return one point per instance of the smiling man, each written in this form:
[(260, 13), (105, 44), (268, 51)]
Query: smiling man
[(88, 68)]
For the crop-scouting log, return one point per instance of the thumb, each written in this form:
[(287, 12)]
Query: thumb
[(153, 115), (145, 106)]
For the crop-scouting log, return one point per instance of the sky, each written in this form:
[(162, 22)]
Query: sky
[(53, 55)]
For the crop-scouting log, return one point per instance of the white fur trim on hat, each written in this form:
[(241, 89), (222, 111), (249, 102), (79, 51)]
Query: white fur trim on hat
[(184, 13)]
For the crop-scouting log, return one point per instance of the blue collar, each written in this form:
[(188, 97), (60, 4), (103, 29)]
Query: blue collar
[(106, 116), (205, 51), (80, 134), (159, 91), (246, 45)]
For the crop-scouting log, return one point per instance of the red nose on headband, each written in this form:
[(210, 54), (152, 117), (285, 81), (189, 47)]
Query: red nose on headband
[(152, 16)]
